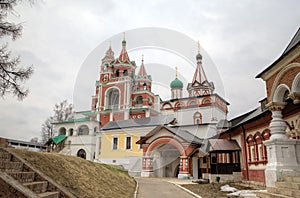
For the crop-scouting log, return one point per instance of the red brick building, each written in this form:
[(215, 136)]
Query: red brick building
[(252, 129)]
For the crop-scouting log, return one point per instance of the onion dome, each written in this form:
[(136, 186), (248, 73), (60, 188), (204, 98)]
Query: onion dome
[(199, 56), (176, 83)]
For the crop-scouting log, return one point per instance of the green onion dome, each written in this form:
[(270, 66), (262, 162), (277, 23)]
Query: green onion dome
[(176, 84)]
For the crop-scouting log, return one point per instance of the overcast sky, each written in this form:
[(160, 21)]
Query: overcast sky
[(241, 37)]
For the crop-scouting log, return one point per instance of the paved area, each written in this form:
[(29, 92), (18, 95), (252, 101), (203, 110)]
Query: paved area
[(159, 187)]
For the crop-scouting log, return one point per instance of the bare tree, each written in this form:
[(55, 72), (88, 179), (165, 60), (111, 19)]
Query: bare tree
[(12, 75), (61, 112), (47, 129)]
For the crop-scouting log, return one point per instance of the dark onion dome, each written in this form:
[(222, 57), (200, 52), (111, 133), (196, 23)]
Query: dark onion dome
[(176, 84), (199, 56)]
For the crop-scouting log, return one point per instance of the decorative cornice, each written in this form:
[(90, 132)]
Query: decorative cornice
[(276, 106)]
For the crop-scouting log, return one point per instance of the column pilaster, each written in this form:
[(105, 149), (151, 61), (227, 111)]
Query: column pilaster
[(147, 166), (277, 125), (184, 168), (281, 151)]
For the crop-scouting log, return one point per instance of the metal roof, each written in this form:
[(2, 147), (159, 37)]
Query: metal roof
[(183, 134), (223, 145), (293, 43), (140, 122)]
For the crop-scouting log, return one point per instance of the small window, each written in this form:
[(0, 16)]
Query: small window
[(128, 142), (204, 160), (115, 143), (125, 73), (214, 160), (139, 100)]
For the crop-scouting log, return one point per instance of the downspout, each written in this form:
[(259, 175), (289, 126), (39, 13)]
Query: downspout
[(245, 150)]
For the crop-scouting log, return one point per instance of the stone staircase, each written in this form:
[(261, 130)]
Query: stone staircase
[(289, 187), (19, 179)]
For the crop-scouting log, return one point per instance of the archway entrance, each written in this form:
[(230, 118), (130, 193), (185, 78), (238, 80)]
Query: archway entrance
[(166, 159), (81, 153)]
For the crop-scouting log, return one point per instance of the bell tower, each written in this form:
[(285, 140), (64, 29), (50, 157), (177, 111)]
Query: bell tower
[(200, 85), (112, 100)]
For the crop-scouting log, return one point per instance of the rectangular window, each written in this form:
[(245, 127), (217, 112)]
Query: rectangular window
[(128, 142), (253, 153), (115, 143), (261, 153)]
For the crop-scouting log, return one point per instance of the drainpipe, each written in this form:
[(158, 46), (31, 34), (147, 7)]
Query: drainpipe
[(245, 151)]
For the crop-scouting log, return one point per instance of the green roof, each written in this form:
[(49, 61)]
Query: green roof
[(59, 138), (85, 119), (176, 83)]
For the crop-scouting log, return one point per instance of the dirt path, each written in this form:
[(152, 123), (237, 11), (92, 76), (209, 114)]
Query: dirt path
[(155, 187)]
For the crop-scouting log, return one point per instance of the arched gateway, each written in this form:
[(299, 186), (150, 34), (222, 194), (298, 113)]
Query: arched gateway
[(167, 152)]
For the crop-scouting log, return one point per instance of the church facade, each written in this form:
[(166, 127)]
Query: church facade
[(124, 110), (185, 137)]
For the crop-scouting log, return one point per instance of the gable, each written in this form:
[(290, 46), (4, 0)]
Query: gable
[(163, 132)]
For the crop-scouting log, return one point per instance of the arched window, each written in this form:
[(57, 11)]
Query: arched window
[(257, 152), (112, 99), (167, 106), (206, 101), (139, 101), (62, 131), (197, 118), (149, 101), (83, 130), (71, 132), (117, 73), (193, 104), (125, 72), (179, 105), (95, 130), (81, 153)]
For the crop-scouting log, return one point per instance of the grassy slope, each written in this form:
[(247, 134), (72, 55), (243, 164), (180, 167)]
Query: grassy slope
[(81, 177)]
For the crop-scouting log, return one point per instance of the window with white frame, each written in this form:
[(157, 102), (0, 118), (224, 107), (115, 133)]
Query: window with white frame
[(112, 99), (128, 143), (115, 143)]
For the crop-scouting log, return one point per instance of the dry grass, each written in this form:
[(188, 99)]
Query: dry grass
[(81, 177)]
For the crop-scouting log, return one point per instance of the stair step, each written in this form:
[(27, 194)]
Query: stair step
[(270, 195), (292, 179), (288, 185), (23, 177), (284, 191), (5, 156), (37, 186), (54, 194), (11, 166)]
